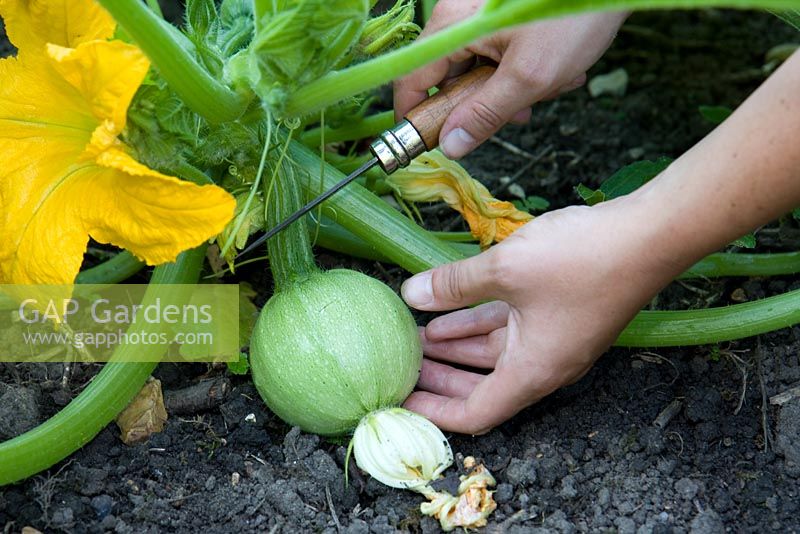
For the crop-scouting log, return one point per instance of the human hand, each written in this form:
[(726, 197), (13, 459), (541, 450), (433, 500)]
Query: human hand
[(565, 285), (535, 62)]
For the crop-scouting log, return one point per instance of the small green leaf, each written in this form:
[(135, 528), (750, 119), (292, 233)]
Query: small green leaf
[(746, 241), (715, 114), (632, 177), (199, 15), (240, 367), (624, 181), (531, 204), (796, 214), (590, 196)]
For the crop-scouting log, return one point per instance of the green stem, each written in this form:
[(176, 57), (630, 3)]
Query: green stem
[(712, 325), (337, 85), (373, 220), (341, 84), (119, 268), (290, 257), (366, 127), (736, 264), (191, 173), (97, 405), (338, 239), (427, 9), (169, 51), (456, 237)]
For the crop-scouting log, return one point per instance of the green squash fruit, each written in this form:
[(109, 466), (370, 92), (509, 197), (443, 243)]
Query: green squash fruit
[(330, 349)]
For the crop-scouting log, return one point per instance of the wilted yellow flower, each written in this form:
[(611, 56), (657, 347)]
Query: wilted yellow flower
[(65, 175), (471, 507), (433, 177)]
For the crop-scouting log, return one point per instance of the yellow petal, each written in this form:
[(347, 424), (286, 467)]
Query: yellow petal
[(433, 177), (105, 74), (64, 175), (30, 24)]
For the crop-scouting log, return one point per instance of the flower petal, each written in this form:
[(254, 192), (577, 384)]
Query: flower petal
[(434, 177), (31, 24), (123, 203), (105, 74)]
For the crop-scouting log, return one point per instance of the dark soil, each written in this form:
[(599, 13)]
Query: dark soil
[(593, 457)]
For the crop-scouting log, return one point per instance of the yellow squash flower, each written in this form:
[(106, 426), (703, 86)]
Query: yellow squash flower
[(65, 175), (433, 177)]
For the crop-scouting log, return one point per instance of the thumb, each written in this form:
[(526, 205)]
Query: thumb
[(454, 285), (477, 118)]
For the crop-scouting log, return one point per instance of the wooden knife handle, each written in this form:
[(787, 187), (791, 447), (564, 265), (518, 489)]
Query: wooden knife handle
[(429, 116)]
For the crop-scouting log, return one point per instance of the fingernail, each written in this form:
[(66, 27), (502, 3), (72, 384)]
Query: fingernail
[(457, 143), (418, 290)]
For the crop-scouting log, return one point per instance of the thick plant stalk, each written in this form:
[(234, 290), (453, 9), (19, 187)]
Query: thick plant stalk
[(370, 218), (290, 256), (712, 325), (112, 271), (738, 264), (367, 127), (167, 49), (97, 405)]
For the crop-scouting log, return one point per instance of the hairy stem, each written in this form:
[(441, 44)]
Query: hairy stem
[(170, 52)]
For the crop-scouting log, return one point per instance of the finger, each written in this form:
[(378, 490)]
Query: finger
[(481, 115), (571, 86), (454, 285), (445, 380), (494, 399), (475, 321), (522, 116), (412, 89), (477, 351)]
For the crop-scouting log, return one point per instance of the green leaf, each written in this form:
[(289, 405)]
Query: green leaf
[(239, 367), (531, 204), (789, 16), (590, 196), (715, 114), (624, 181), (746, 241), (796, 214)]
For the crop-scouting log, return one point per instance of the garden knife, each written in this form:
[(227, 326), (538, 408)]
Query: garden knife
[(396, 147)]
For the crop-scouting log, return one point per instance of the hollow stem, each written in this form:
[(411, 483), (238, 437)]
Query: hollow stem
[(367, 127), (112, 271), (97, 405), (171, 54), (290, 256), (368, 217), (711, 325)]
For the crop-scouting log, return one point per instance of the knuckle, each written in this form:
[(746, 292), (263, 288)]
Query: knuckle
[(502, 269), (447, 283), (486, 119)]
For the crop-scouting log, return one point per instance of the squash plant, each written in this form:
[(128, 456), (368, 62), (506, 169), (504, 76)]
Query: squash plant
[(228, 122)]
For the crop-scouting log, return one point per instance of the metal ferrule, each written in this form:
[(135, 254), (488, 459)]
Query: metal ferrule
[(395, 148)]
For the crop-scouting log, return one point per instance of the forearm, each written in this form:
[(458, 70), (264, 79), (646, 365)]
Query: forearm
[(742, 175)]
